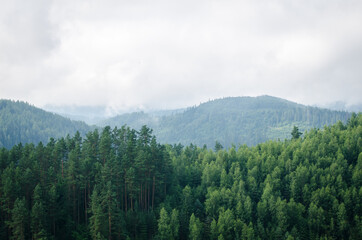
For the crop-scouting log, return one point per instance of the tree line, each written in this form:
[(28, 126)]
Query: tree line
[(122, 184)]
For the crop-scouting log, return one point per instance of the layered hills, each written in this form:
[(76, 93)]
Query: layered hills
[(232, 120)]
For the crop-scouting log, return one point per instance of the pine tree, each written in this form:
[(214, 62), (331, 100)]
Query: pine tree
[(164, 227), (174, 223), (98, 218), (195, 228), (214, 232), (296, 133), (19, 219), (38, 216), (226, 224)]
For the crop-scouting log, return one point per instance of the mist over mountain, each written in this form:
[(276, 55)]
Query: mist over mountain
[(342, 106), (93, 115), (89, 114), (232, 120)]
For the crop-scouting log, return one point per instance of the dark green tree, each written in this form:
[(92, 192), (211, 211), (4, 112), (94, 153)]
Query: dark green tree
[(175, 223), (296, 133), (98, 219), (218, 146), (19, 220), (38, 215)]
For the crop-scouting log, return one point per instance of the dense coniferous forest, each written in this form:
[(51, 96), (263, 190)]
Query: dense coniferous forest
[(245, 120), (122, 184), (21, 122)]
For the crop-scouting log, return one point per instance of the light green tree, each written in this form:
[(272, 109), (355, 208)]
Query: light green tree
[(164, 227), (226, 224), (213, 230), (195, 228)]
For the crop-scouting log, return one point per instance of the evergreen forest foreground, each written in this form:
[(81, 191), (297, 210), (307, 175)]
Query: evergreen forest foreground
[(123, 184)]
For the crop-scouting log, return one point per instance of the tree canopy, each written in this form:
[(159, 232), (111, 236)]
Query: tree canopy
[(122, 184)]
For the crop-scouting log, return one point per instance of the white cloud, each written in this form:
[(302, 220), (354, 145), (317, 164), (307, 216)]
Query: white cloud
[(163, 54)]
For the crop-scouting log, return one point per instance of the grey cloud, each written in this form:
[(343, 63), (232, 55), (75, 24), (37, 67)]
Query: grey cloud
[(163, 54), (27, 32)]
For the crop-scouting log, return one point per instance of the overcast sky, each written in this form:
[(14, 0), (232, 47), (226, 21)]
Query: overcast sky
[(171, 54)]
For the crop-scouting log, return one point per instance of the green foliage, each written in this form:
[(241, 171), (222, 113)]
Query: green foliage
[(175, 224), (195, 228), (98, 218), (218, 146), (296, 133), (225, 224), (123, 184), (21, 122), (233, 120), (19, 219), (164, 226)]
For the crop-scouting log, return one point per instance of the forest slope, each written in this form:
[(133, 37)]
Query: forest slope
[(122, 184), (238, 120), (21, 122)]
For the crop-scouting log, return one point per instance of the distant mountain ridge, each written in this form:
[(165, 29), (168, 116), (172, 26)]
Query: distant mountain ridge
[(97, 114), (21, 122), (232, 120)]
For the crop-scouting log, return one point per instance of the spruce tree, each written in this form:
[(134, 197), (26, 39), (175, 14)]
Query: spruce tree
[(19, 220), (195, 228), (164, 227)]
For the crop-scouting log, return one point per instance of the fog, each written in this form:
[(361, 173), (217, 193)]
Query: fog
[(166, 55)]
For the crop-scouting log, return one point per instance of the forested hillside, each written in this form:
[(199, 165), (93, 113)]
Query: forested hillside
[(244, 120), (123, 184), (21, 122), (240, 120)]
